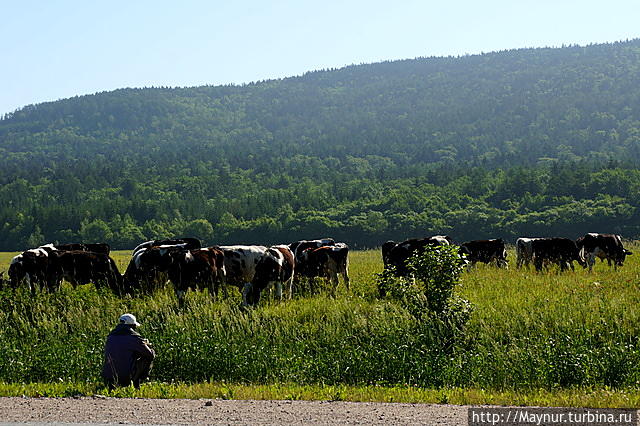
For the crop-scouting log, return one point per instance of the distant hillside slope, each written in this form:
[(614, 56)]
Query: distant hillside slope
[(377, 142)]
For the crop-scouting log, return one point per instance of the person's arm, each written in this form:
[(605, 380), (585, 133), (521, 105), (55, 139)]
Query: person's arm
[(144, 349)]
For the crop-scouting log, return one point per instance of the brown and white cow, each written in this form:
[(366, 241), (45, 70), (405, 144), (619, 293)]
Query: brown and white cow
[(561, 251), (328, 262), (302, 245), (196, 269), (276, 266), (604, 246), (486, 251)]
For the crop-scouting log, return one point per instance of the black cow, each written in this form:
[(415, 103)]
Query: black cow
[(89, 247), (561, 251), (485, 251), (396, 255), (82, 267), (604, 246)]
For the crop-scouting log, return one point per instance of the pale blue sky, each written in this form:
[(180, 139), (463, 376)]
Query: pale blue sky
[(53, 49)]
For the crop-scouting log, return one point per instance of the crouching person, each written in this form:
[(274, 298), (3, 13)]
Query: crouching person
[(127, 356)]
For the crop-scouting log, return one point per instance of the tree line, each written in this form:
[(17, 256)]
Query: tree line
[(364, 210)]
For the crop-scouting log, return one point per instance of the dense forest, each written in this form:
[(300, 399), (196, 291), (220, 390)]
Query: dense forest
[(520, 142)]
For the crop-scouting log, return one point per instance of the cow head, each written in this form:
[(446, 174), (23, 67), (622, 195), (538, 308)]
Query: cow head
[(622, 255)]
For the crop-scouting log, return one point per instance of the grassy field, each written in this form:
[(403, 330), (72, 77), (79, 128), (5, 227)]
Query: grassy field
[(533, 338)]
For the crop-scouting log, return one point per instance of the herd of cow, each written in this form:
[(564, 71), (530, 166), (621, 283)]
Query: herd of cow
[(542, 252), (254, 268), (185, 264)]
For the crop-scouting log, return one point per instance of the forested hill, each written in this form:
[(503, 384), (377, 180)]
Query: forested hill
[(520, 142)]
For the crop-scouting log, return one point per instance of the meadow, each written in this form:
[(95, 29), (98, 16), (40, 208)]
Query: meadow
[(545, 338)]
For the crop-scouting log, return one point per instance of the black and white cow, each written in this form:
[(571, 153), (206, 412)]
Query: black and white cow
[(150, 261), (486, 251), (32, 268), (240, 263), (561, 251), (604, 246), (524, 251), (187, 243), (328, 262), (276, 266)]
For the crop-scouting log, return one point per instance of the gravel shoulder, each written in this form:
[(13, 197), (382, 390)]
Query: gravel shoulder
[(231, 412)]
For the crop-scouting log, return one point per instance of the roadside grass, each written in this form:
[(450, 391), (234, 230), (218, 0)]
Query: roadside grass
[(565, 339), (574, 397)]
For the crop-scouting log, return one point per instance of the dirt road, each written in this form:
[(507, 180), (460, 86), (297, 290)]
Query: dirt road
[(183, 411)]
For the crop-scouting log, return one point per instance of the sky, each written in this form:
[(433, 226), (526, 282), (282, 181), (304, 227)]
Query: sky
[(55, 49)]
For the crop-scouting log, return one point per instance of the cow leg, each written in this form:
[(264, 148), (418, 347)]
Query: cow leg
[(345, 277), (278, 285), (254, 294), (538, 264), (246, 289), (180, 296), (289, 283), (214, 289), (334, 283)]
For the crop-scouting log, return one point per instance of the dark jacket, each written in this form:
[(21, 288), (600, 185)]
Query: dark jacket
[(123, 348)]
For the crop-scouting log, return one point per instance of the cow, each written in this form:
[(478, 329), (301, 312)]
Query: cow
[(302, 245), (485, 251), (561, 251), (195, 269), (82, 267), (31, 266), (524, 251), (604, 246), (396, 255), (240, 264), (386, 251), (149, 264), (89, 247), (328, 262), (277, 266), (187, 243)]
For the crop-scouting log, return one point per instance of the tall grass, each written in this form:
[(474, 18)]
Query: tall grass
[(527, 331)]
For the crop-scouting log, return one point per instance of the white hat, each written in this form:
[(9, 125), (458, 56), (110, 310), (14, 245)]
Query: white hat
[(129, 319)]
